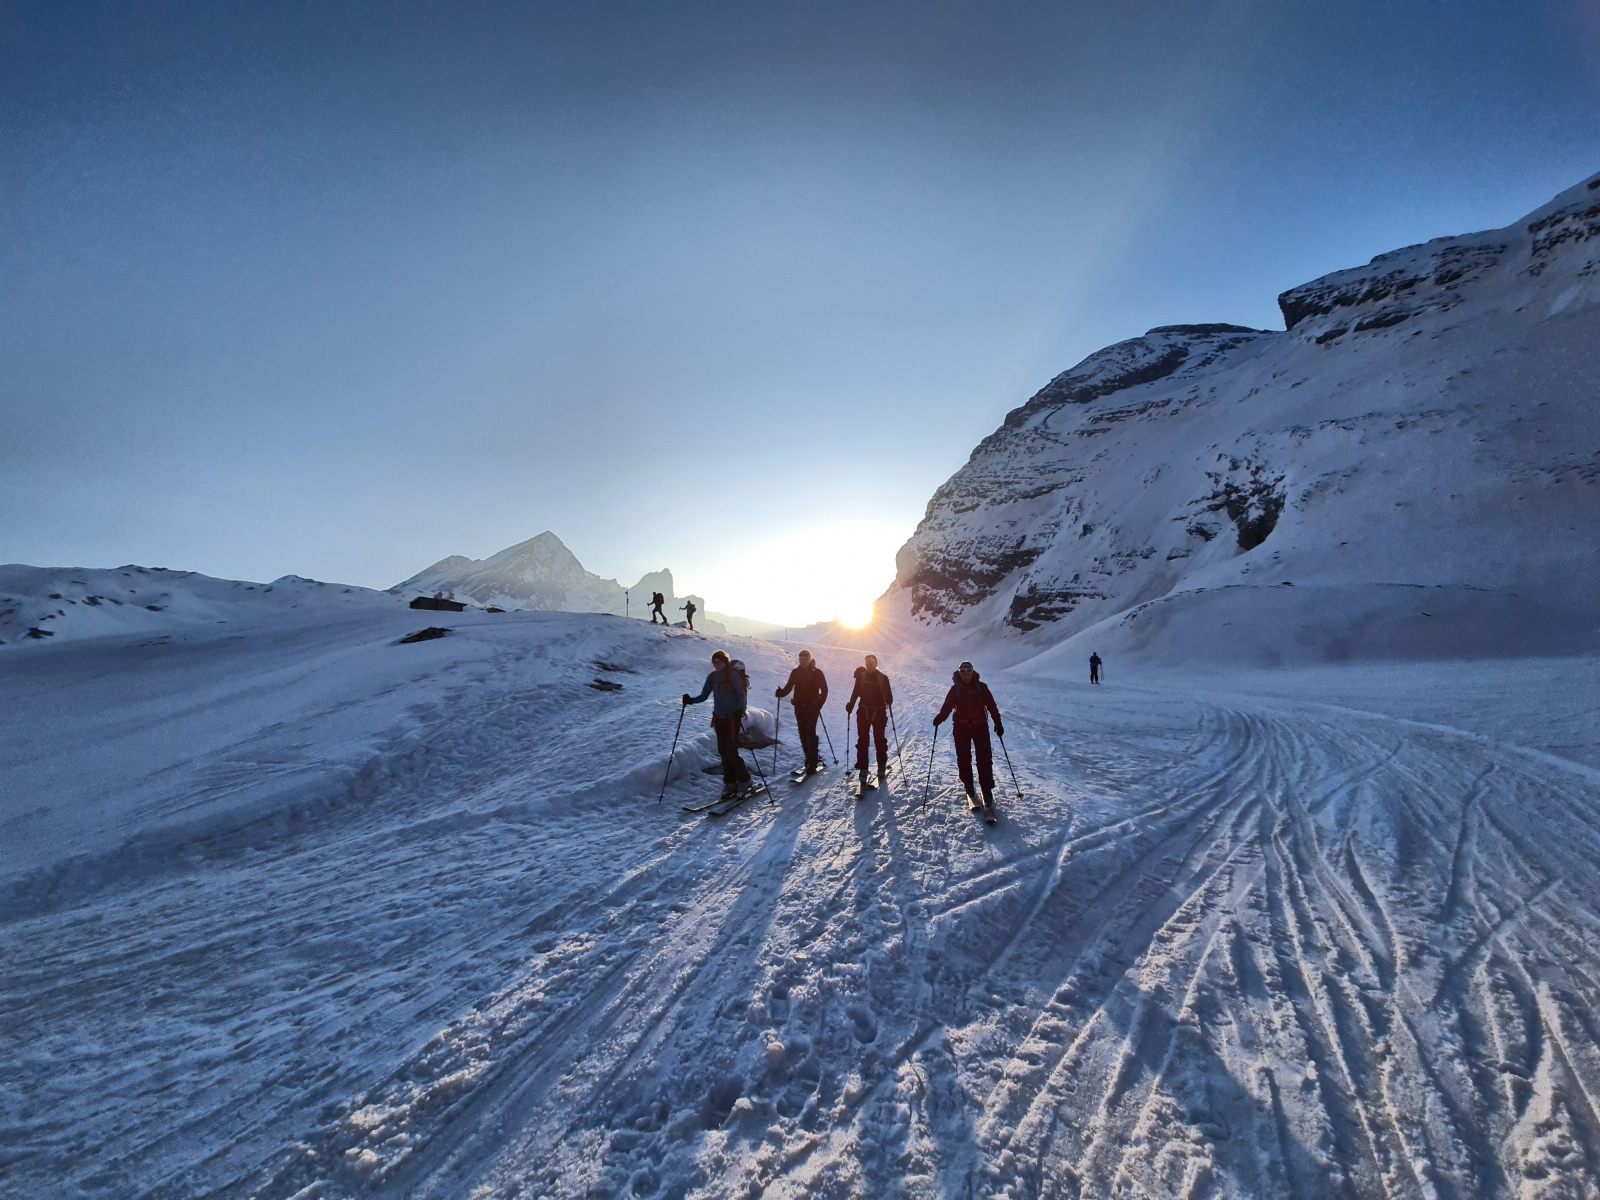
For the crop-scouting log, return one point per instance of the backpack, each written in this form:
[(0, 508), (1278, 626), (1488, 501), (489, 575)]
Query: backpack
[(657, 599), (744, 676)]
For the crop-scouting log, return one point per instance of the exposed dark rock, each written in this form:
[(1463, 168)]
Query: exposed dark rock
[(40, 633), (1252, 498), (423, 635), (943, 587), (1204, 330), (1034, 606), (1382, 320), (605, 685)]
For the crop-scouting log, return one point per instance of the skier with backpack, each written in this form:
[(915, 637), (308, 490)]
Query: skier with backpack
[(876, 697), (688, 608), (729, 688), (810, 688), (970, 700), (656, 601)]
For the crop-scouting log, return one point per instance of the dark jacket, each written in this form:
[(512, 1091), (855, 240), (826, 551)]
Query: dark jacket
[(810, 688), (968, 702), (873, 691)]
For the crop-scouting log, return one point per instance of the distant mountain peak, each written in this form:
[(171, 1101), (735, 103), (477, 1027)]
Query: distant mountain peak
[(543, 574)]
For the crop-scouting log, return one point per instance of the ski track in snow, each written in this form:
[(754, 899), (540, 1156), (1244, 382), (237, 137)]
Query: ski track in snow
[(1220, 946)]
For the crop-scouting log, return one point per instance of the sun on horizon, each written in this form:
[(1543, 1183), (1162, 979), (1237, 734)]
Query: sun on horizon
[(856, 616)]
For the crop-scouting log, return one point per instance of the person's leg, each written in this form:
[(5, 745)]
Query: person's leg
[(807, 721), (728, 749), (880, 736), (964, 757), (862, 726), (980, 742)]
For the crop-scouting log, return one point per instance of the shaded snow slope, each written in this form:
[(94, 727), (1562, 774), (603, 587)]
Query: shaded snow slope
[(66, 603), (1429, 421), (332, 916)]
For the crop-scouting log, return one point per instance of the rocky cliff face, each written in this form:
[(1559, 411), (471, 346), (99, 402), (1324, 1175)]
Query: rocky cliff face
[(1427, 420)]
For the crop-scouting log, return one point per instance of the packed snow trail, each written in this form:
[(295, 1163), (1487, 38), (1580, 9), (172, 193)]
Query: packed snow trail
[(1225, 944)]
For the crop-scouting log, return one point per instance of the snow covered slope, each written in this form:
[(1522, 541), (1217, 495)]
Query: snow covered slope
[(543, 575), (301, 911), (65, 603), (1412, 468)]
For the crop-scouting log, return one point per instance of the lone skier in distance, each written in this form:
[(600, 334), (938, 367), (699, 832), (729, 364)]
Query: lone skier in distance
[(969, 698), (688, 609), (810, 688), (656, 601), (729, 691), (1094, 667), (876, 697)]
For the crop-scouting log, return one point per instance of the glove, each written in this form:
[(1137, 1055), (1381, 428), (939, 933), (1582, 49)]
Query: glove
[(687, 699), (778, 692), (999, 729), (936, 721), (848, 709)]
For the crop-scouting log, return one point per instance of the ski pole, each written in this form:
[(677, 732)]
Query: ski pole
[(771, 799), (825, 734), (682, 708), (898, 756), (1009, 767), (777, 721), (928, 783)]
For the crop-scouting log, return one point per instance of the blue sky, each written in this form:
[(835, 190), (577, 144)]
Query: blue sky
[(337, 289)]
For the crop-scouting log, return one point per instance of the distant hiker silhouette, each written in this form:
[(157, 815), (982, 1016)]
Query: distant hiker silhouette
[(656, 601), (729, 690), (810, 689), (876, 698), (1094, 668), (689, 609), (969, 699)]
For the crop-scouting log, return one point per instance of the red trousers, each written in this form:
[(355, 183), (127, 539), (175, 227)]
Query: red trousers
[(968, 740)]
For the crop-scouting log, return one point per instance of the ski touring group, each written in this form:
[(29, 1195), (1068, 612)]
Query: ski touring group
[(969, 705)]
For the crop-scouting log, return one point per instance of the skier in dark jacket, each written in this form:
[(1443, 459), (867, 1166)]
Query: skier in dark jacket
[(656, 601), (1094, 668), (876, 697), (688, 609), (810, 690), (729, 691), (969, 698)]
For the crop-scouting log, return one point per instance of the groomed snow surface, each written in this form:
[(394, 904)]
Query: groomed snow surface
[(293, 910)]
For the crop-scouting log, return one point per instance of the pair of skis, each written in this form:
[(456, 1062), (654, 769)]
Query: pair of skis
[(723, 805)]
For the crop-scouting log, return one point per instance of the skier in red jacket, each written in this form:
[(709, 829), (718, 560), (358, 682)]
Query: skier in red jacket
[(968, 698)]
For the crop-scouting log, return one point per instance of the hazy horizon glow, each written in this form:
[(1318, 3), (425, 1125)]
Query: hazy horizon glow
[(339, 289)]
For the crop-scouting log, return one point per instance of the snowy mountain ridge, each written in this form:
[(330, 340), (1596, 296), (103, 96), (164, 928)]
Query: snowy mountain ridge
[(39, 604), (1410, 468), (543, 575)]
